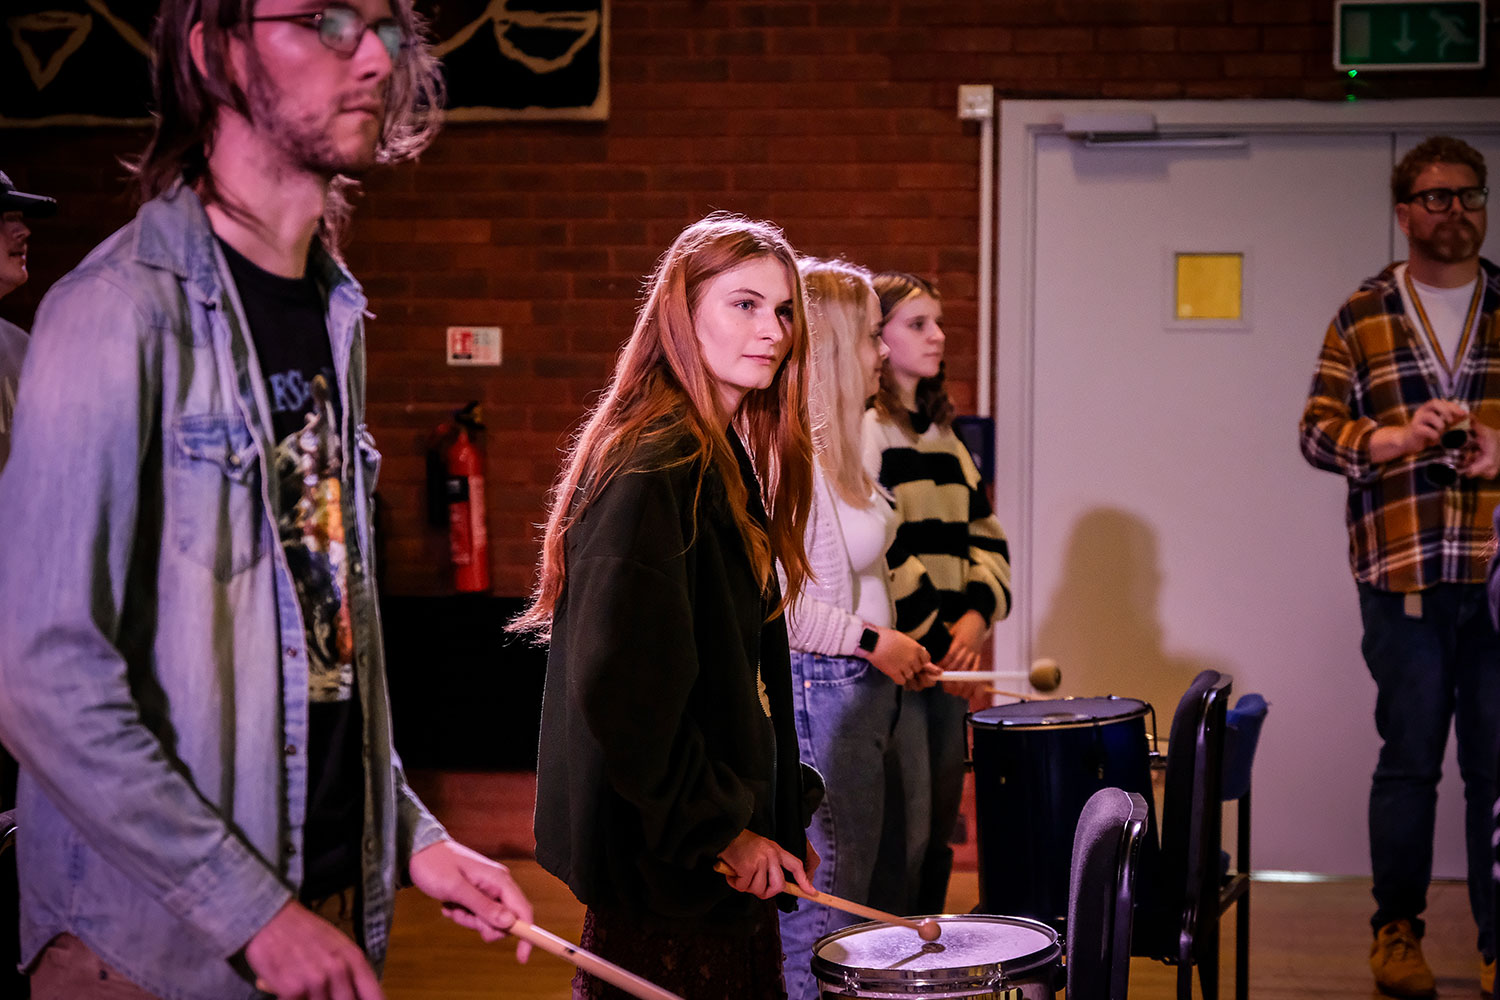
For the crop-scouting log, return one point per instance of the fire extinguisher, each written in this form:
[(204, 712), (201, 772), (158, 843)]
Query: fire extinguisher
[(463, 492)]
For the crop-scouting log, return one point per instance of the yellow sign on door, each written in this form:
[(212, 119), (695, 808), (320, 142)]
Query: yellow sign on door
[(1210, 285)]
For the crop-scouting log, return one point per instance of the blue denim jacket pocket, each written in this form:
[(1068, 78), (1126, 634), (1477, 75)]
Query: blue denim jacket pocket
[(829, 671), (218, 519)]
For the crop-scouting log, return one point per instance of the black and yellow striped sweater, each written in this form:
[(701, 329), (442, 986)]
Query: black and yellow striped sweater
[(946, 520)]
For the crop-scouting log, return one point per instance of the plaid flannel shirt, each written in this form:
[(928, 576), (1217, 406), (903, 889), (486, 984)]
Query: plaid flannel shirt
[(1405, 534)]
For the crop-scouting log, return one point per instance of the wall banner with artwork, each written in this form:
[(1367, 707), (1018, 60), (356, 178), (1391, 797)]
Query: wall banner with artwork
[(85, 62)]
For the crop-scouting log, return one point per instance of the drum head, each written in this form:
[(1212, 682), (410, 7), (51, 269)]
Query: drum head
[(973, 949), (1059, 712)]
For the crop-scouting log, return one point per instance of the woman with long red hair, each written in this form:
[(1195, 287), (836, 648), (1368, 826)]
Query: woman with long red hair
[(667, 741)]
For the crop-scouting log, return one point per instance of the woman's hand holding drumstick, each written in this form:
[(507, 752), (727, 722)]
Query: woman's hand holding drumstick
[(757, 864), (927, 930)]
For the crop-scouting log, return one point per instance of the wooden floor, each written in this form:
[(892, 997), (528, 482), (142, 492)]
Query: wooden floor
[(1307, 940)]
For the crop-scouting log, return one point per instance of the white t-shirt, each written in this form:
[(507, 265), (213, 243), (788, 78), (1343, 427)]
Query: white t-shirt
[(1446, 310)]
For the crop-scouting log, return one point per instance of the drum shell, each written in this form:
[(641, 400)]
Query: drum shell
[(1031, 780), (1036, 975)]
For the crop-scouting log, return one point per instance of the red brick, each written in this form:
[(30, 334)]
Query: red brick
[(780, 15), (730, 43), (1301, 38), (1141, 90), (1218, 39), (1054, 40), (971, 39), (1272, 11), (1262, 65), (1152, 38)]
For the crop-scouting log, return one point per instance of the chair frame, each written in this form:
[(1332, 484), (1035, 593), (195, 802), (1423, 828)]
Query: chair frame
[(1206, 899), (1131, 835)]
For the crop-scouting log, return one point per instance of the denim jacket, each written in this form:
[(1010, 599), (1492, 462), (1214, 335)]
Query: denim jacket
[(153, 664)]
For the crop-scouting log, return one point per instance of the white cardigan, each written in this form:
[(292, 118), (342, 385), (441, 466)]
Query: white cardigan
[(822, 619)]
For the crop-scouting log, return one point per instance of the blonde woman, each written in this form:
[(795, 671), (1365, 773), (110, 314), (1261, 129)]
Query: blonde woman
[(852, 662)]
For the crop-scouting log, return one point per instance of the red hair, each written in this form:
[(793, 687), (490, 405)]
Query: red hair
[(661, 388)]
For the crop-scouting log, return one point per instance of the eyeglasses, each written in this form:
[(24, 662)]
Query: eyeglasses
[(342, 28), (1438, 199)]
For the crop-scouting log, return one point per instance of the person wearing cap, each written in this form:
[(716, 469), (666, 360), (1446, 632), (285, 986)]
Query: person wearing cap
[(191, 667), (15, 208)]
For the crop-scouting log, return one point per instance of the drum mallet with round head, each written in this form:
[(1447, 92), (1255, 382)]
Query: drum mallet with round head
[(1044, 676), (927, 930)]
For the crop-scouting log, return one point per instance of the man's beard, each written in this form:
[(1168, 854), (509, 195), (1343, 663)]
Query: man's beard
[(308, 141), (1452, 241)]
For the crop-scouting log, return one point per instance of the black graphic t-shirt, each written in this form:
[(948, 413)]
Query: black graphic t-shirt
[(290, 332)]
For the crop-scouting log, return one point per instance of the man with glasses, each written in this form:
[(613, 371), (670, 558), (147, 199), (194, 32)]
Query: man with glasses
[(191, 670), (1405, 404)]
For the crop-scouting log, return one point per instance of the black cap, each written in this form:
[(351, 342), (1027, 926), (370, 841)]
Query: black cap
[(32, 206)]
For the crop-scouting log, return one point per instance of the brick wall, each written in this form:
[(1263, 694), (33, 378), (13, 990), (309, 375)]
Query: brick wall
[(836, 119)]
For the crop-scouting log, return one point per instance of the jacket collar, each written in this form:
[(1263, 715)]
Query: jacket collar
[(175, 235)]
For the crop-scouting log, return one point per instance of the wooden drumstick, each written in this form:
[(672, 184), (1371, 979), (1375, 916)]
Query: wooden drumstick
[(927, 930), (589, 962), (579, 957)]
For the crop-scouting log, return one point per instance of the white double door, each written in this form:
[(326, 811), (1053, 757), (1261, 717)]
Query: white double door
[(1164, 520)]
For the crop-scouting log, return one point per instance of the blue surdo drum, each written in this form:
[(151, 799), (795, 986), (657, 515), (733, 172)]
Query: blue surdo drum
[(1035, 765)]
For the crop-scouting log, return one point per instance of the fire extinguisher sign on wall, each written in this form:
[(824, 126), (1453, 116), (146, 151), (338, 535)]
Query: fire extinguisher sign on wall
[(468, 538)]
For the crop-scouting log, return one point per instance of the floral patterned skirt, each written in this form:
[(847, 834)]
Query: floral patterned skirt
[(701, 962)]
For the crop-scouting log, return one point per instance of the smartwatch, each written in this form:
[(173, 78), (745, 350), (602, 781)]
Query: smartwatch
[(868, 639)]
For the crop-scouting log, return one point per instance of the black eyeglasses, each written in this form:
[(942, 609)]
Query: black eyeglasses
[(1438, 199), (342, 28)]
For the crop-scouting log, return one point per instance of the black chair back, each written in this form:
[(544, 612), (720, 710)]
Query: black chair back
[(1101, 897), (1178, 921)]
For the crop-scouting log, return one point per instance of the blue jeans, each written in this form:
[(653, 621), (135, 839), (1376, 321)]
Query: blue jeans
[(847, 714), (1430, 669)]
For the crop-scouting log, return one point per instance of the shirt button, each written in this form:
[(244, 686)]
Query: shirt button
[(291, 652), (290, 849), (234, 461), (291, 750)]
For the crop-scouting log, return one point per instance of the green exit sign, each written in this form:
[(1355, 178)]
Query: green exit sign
[(1408, 34)]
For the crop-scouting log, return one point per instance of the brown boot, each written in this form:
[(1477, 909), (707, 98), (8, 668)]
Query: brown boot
[(1396, 959), (1486, 976)]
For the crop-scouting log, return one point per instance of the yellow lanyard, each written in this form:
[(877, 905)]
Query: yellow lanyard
[(1463, 341)]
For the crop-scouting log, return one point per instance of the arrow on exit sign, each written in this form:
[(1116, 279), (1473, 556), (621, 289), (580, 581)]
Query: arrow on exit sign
[(1408, 34)]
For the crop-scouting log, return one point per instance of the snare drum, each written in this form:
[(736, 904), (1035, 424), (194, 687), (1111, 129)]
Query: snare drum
[(981, 957), (1035, 765)]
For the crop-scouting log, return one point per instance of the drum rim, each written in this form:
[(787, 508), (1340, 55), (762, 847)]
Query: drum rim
[(958, 977), (1040, 722)]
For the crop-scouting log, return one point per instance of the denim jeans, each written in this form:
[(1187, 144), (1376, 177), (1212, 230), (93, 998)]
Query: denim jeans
[(1442, 665), (847, 714)]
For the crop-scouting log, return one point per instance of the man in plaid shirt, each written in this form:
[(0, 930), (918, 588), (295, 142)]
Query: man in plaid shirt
[(1405, 404)]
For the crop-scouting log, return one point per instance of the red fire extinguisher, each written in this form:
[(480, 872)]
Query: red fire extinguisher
[(468, 538)]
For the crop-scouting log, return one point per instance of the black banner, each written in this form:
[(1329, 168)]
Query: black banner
[(84, 62)]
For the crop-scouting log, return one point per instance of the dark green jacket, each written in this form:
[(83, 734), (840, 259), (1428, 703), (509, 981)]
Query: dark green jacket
[(655, 748)]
